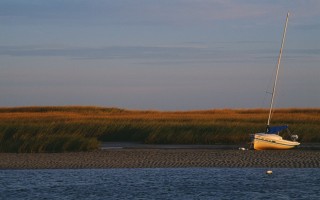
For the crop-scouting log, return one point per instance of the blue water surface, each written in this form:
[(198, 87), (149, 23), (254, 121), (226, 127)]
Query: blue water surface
[(160, 183)]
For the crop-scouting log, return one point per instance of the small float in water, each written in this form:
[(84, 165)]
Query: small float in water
[(269, 172)]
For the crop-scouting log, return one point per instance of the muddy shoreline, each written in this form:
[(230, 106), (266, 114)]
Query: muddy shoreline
[(163, 158)]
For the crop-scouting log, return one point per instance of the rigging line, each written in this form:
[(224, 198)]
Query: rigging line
[(278, 66), (267, 92)]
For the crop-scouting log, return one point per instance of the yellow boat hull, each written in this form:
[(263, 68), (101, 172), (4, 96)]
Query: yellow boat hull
[(272, 142)]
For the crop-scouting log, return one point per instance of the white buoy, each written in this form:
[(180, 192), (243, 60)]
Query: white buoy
[(269, 172)]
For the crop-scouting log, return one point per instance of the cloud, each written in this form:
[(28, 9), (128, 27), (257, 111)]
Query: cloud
[(149, 55), (130, 12), (112, 52), (150, 12), (306, 51), (308, 27)]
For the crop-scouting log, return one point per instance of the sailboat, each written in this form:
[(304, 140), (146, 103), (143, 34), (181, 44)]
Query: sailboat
[(270, 139)]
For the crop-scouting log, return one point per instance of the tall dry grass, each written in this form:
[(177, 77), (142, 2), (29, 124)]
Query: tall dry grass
[(56, 129)]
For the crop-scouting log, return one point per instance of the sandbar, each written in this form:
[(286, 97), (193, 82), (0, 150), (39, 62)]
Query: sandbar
[(163, 158)]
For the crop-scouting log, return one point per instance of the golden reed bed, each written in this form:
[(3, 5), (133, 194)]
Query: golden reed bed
[(162, 158), (68, 129)]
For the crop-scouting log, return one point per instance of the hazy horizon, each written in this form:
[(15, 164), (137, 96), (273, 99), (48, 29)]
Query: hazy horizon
[(159, 55)]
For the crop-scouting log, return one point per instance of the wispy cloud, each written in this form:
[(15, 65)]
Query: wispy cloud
[(132, 12), (308, 27), (154, 54), (112, 52), (138, 54), (148, 12)]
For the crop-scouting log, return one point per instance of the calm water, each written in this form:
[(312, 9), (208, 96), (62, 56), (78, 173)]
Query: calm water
[(162, 183)]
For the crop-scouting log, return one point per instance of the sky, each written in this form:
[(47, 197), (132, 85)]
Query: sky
[(159, 55)]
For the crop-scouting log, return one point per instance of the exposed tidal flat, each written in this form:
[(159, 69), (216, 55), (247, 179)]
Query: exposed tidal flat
[(163, 158)]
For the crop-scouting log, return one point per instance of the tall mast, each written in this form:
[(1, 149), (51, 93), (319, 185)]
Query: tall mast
[(277, 73)]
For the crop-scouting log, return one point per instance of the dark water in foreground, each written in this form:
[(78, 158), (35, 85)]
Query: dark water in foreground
[(162, 183)]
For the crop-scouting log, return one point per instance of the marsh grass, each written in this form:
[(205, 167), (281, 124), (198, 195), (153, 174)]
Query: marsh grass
[(61, 129)]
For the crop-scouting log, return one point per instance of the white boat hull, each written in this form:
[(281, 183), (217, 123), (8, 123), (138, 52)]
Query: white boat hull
[(264, 141)]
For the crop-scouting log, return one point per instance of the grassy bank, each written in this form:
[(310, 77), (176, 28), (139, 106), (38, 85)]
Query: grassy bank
[(59, 129)]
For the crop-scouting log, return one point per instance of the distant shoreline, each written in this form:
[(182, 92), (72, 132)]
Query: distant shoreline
[(162, 158)]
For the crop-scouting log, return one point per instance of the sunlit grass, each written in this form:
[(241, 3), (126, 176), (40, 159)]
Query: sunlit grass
[(76, 128)]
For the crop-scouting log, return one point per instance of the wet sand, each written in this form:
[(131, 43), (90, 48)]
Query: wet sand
[(162, 158)]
